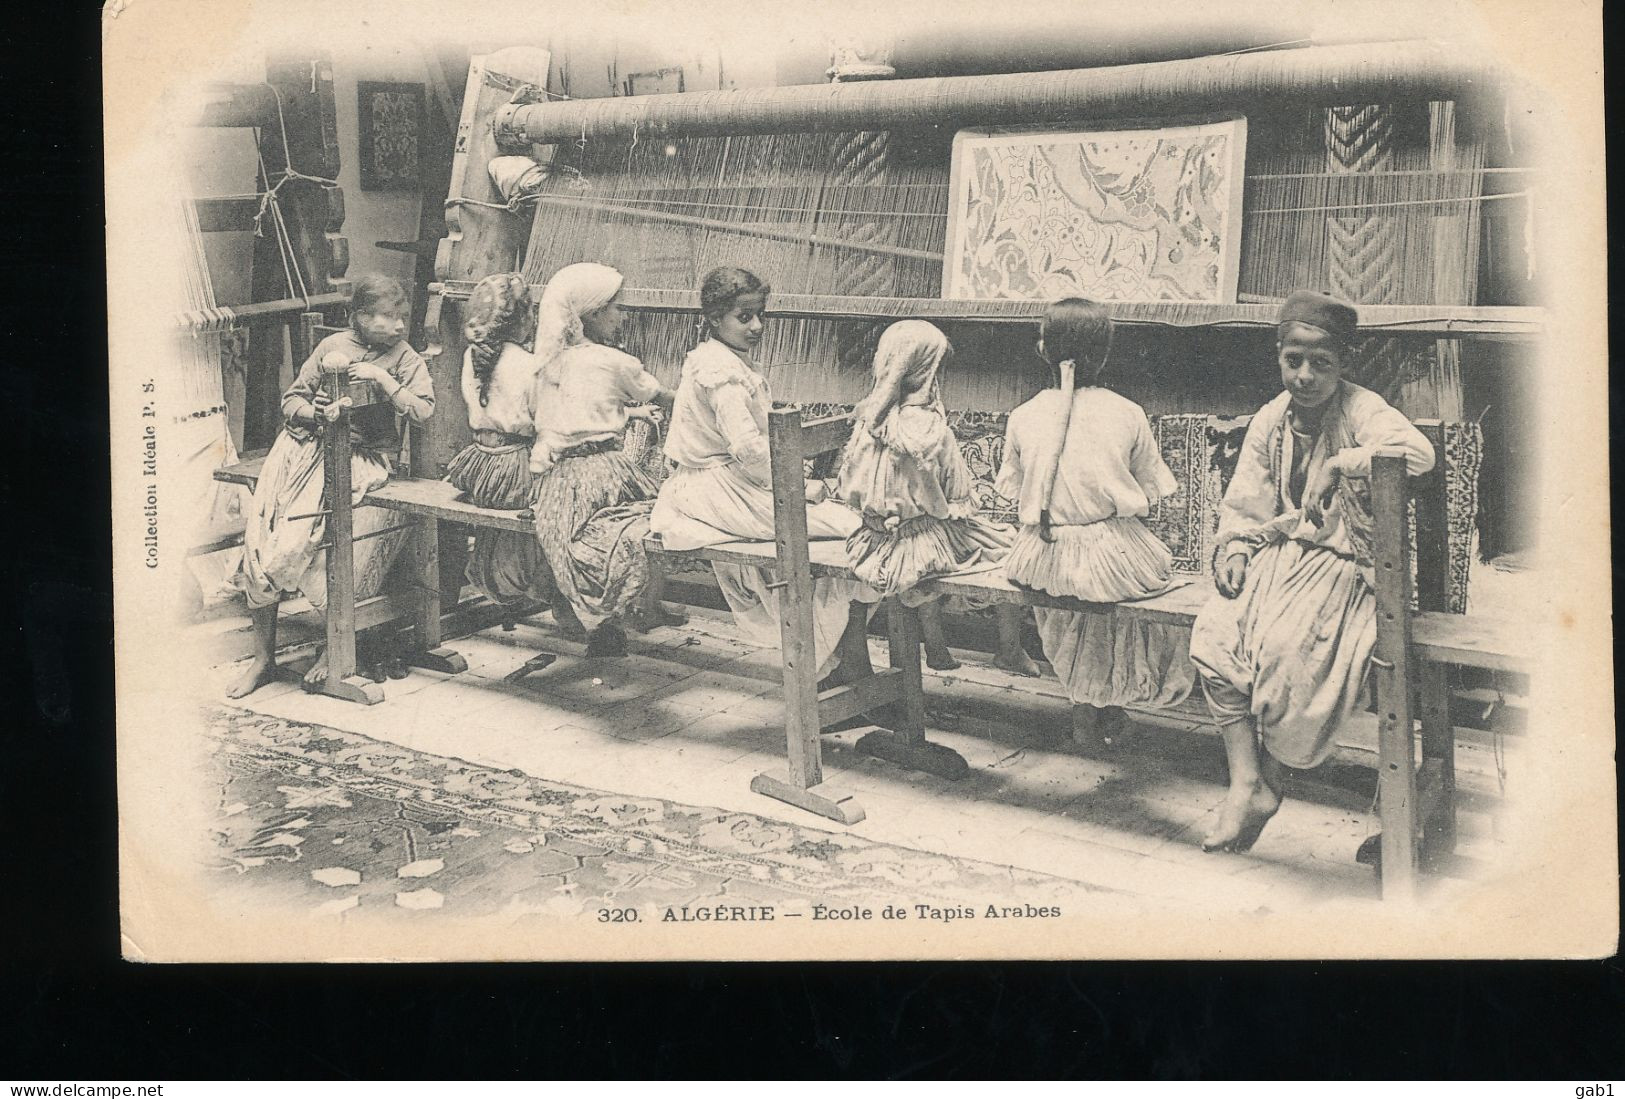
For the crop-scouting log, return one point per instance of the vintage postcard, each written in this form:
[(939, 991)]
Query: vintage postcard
[(768, 481)]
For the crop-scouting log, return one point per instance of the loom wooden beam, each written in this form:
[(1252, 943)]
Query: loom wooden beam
[(1323, 75), (478, 240), (1465, 321)]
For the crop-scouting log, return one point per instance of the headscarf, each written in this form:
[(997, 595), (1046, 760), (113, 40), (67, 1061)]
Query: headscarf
[(907, 359), (571, 294), (499, 311)]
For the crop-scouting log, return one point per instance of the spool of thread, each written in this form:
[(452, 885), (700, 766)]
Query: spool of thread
[(516, 176)]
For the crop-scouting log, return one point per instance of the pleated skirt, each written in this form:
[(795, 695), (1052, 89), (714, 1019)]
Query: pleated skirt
[(893, 562), (1105, 661), (506, 566)]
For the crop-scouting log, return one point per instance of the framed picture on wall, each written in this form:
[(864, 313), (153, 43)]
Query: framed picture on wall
[(1127, 212), (391, 130)]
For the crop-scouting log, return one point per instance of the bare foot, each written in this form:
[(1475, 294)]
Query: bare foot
[(1017, 663), (317, 675), (1242, 817), (257, 675), (940, 660)]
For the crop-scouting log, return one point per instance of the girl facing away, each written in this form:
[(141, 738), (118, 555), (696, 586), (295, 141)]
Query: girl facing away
[(591, 502), (721, 490), (282, 554), (499, 390), (903, 472), (1284, 651), (1085, 469)]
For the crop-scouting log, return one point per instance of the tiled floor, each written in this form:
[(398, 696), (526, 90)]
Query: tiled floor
[(693, 715)]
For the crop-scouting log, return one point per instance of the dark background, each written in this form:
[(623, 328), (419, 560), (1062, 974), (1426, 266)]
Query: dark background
[(69, 1008)]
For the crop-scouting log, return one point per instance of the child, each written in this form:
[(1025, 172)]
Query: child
[(722, 488), (591, 501), (903, 472), (1283, 653), (1085, 468), (499, 389), (282, 552)]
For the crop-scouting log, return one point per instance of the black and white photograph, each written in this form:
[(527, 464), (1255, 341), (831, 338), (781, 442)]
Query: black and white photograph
[(826, 482)]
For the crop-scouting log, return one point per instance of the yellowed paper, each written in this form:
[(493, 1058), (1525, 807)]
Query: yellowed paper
[(604, 810)]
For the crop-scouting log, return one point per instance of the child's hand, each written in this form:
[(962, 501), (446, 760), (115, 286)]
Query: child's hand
[(1232, 575), (320, 401), (334, 409), (368, 372), (644, 412), (1318, 493), (817, 492)]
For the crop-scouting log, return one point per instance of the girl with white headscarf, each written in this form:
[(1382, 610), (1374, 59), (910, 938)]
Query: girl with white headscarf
[(591, 501), (903, 471)]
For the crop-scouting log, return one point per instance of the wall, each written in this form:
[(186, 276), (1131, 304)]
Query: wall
[(223, 162)]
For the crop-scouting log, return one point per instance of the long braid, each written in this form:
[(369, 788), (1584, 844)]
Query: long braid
[(485, 355), (500, 312)]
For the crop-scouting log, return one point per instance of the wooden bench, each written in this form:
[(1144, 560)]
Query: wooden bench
[(1417, 805)]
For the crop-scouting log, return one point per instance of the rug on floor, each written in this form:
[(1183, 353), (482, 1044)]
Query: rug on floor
[(319, 818)]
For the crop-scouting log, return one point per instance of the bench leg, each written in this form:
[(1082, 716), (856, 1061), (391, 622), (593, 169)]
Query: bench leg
[(341, 680), (905, 743), (1396, 786), (1436, 781), (427, 652), (801, 783)]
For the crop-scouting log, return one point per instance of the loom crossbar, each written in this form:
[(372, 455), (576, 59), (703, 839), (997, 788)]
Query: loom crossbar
[(1323, 75)]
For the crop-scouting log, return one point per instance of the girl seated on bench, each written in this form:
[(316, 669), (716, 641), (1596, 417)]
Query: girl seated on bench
[(591, 502), (903, 472), (499, 388), (1283, 653), (722, 489), (282, 542), (1085, 468)]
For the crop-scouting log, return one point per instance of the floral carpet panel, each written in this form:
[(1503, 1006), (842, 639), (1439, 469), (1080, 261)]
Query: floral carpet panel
[(327, 820)]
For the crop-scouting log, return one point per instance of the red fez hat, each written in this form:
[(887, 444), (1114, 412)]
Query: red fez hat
[(1333, 316)]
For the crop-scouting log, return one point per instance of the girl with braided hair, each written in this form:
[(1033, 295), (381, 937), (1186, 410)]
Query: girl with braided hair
[(1085, 469), (499, 390)]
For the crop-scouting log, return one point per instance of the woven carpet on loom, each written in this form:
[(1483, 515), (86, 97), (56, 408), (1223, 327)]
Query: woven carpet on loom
[(1201, 450)]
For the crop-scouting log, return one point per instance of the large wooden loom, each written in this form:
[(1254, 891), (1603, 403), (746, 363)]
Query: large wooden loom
[(1381, 200), (1377, 168)]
